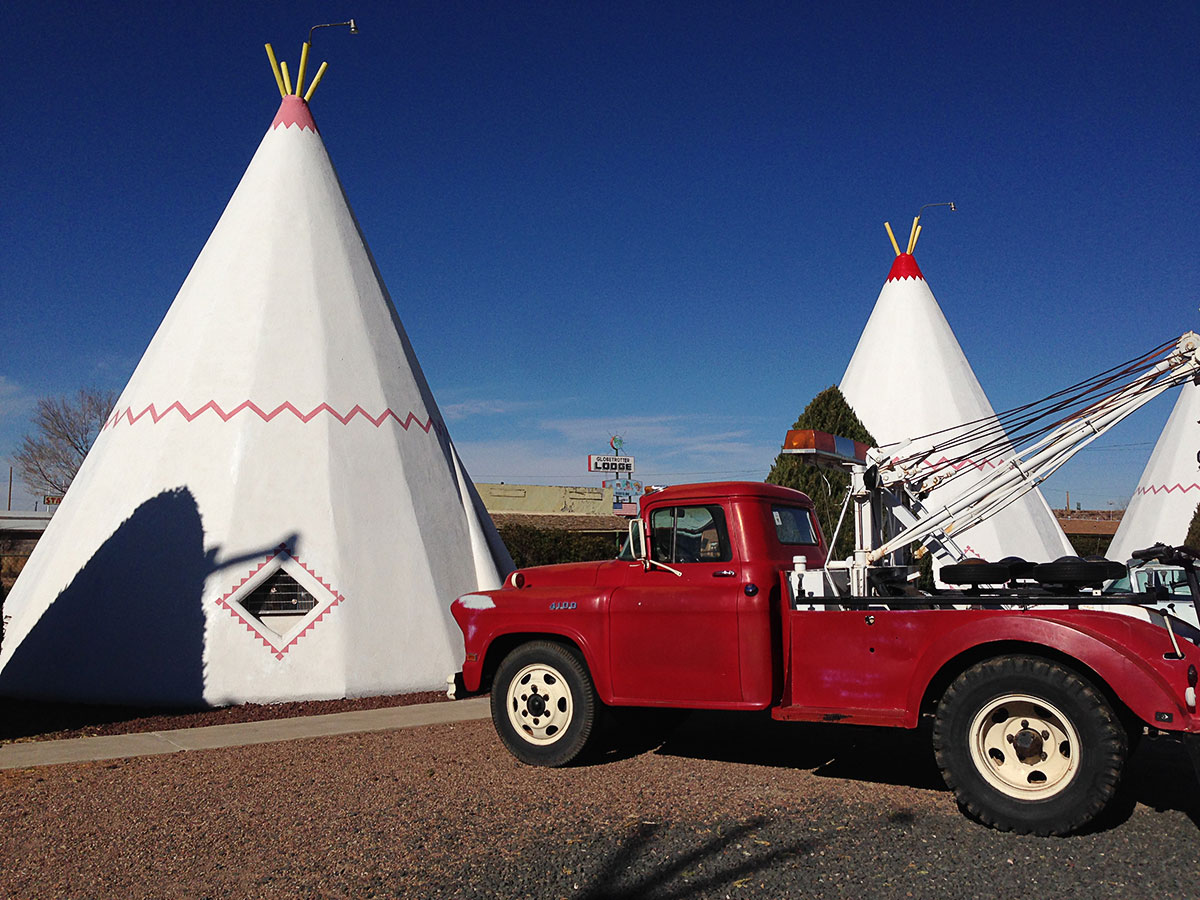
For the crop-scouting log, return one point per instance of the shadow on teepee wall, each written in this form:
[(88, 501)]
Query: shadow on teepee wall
[(129, 628)]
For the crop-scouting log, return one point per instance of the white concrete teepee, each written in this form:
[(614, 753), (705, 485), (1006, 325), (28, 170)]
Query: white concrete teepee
[(1169, 490), (274, 510), (909, 377)]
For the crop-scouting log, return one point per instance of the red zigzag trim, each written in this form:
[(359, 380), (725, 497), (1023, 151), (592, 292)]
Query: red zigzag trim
[(1164, 489), (129, 416), (986, 464)]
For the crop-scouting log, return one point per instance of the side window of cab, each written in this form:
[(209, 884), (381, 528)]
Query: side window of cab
[(689, 534)]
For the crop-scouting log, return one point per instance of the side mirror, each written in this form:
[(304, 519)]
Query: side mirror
[(637, 538)]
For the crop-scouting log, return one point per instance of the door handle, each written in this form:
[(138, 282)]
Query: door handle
[(724, 573)]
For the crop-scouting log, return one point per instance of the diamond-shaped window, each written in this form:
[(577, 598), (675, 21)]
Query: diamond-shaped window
[(279, 595), (281, 601)]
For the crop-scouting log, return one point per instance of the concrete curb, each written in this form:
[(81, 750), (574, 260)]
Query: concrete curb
[(118, 746)]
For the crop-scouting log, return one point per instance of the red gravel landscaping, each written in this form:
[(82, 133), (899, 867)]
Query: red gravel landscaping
[(23, 720), (729, 807)]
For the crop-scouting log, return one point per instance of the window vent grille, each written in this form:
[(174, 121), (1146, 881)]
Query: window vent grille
[(279, 595)]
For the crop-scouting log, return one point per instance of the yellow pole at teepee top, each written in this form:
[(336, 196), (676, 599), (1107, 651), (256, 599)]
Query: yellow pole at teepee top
[(916, 237), (275, 69), (892, 237), (316, 80), (280, 68), (303, 65), (912, 234)]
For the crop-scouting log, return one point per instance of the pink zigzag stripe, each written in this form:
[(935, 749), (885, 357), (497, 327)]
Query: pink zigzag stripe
[(156, 416), (278, 654), (986, 464), (1164, 489), (979, 466)]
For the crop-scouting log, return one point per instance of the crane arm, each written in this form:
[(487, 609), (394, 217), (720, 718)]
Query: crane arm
[(1026, 469)]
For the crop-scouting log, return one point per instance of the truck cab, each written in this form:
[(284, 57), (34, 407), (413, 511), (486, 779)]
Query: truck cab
[(692, 621)]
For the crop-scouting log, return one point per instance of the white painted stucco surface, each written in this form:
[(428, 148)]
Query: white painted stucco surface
[(283, 309), (909, 377), (1168, 492)]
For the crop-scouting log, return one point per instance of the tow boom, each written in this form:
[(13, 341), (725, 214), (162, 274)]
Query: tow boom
[(1029, 467)]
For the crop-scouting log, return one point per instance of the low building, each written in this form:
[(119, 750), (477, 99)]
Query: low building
[(19, 531), (586, 510), (1090, 531)]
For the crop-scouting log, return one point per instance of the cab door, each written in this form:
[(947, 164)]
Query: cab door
[(674, 638)]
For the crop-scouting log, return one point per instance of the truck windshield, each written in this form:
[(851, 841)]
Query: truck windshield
[(793, 525)]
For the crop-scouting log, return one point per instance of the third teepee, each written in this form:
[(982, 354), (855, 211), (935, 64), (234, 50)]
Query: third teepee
[(908, 377), (1169, 490)]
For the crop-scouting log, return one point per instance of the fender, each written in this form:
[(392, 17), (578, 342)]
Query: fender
[(578, 615), (1125, 653)]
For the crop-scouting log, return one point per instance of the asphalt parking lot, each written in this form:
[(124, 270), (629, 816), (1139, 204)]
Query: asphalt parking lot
[(728, 806)]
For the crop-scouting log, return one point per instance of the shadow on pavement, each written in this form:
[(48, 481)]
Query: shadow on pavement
[(878, 755), (613, 882), (1158, 775)]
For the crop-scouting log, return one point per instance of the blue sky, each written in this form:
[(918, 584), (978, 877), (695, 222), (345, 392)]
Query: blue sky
[(662, 220)]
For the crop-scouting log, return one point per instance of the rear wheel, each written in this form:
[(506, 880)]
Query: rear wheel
[(543, 704), (1028, 745)]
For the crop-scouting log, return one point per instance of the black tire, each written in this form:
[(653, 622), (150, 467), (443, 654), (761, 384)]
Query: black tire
[(1017, 567), (990, 739), (544, 704), (1110, 568), (1071, 571), (975, 572)]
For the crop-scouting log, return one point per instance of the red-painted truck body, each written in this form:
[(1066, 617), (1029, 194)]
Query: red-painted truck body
[(710, 618)]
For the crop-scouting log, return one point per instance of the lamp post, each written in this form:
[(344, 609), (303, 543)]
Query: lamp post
[(353, 28)]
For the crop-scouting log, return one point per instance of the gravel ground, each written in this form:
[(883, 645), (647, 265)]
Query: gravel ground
[(729, 806)]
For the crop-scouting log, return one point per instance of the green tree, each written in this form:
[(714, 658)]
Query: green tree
[(829, 412), (1193, 532)]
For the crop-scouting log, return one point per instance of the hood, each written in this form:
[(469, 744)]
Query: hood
[(580, 574)]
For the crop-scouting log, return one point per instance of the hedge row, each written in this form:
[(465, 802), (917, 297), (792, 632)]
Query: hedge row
[(530, 546)]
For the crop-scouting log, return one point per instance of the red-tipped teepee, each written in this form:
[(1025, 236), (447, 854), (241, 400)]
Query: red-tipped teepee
[(275, 509), (908, 377)]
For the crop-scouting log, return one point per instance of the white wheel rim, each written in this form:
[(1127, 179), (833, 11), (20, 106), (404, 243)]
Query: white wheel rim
[(1024, 747), (539, 704)]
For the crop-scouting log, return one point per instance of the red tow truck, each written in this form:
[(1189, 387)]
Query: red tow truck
[(1034, 682)]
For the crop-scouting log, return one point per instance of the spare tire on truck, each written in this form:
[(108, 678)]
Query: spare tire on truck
[(1073, 572), (1029, 745), (975, 572)]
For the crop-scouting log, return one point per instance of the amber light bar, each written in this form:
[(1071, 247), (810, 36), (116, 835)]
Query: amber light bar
[(824, 449)]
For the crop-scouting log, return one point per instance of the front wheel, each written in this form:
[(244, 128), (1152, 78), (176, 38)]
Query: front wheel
[(1028, 745), (543, 704)]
